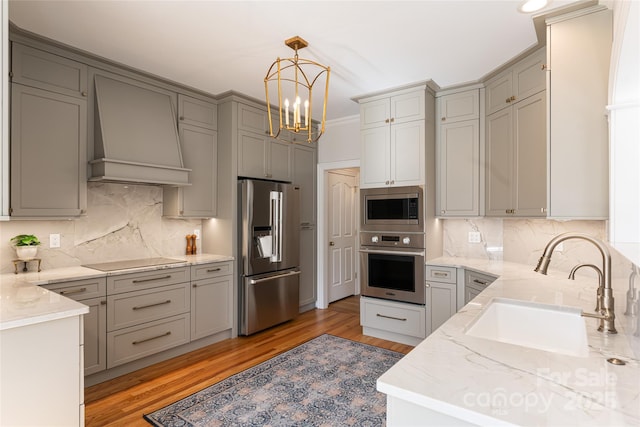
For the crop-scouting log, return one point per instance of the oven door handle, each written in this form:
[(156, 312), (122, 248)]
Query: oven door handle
[(373, 251)]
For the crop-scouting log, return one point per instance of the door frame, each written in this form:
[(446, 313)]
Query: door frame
[(322, 301)]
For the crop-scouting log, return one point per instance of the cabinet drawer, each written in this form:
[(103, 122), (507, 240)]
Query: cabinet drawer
[(147, 280), (207, 271), (477, 280), (33, 67), (80, 289), (406, 319), (133, 308), (134, 343), (441, 274)]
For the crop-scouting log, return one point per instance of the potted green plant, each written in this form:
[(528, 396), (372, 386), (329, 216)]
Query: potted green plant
[(26, 246)]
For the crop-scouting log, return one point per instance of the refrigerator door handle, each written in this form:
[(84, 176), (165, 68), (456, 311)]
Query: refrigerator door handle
[(279, 276), (276, 226)]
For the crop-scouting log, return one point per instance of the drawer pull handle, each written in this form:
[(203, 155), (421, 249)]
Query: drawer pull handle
[(391, 317), (152, 338), (140, 307), (73, 291), (440, 274), (480, 282), (213, 270), (168, 276)]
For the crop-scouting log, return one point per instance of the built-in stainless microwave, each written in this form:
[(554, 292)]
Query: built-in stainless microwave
[(392, 209)]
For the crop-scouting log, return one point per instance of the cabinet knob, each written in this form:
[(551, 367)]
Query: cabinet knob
[(393, 120), (444, 119), (83, 93), (386, 183), (508, 100), (386, 121), (181, 117), (393, 182), (443, 211), (513, 98), (332, 244), (427, 285), (543, 67)]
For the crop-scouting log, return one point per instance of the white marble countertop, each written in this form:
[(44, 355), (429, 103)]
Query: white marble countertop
[(492, 383), (23, 302)]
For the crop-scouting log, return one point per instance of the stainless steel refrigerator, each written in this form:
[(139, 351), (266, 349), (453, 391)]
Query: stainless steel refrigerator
[(269, 258)]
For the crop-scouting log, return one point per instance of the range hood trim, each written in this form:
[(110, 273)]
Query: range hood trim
[(110, 170)]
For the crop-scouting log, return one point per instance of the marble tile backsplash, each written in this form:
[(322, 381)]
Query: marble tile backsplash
[(524, 240), (122, 222)]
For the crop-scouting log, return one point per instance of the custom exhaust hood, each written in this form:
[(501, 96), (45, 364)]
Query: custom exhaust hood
[(136, 138)]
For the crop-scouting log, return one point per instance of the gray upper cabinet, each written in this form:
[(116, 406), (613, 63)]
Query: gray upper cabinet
[(259, 155), (192, 111), (48, 153), (458, 148), (200, 154), (48, 135), (36, 68)]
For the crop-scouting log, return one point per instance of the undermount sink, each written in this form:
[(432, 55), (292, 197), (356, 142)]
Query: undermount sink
[(541, 326)]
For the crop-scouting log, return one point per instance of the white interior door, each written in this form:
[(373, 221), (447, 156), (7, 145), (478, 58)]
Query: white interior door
[(342, 234)]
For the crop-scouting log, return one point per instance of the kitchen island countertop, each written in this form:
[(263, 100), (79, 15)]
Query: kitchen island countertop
[(471, 380)]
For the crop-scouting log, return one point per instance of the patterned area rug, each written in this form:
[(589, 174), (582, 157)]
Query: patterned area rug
[(328, 381)]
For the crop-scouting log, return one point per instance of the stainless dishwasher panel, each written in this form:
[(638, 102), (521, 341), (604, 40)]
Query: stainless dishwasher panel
[(268, 299)]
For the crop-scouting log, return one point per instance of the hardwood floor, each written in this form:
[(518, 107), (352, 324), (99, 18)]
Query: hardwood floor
[(123, 401)]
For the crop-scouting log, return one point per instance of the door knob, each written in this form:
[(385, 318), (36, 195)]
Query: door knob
[(332, 244)]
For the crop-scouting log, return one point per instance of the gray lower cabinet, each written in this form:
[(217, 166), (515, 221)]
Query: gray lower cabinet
[(48, 153), (474, 283), (441, 295), (200, 154), (148, 312), (308, 289), (393, 321), (304, 176), (211, 299), (90, 292)]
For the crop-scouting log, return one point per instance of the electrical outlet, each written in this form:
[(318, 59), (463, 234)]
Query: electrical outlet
[(197, 233), (474, 237), (54, 240)]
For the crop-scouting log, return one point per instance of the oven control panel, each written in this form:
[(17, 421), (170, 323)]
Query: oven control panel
[(399, 240)]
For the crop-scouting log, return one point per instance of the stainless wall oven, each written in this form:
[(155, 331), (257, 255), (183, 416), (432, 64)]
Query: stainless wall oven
[(392, 209), (392, 266)]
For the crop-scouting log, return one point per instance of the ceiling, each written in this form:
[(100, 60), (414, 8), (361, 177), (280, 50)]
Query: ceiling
[(217, 46)]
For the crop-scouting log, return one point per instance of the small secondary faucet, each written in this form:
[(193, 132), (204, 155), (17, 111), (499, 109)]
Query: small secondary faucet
[(572, 276), (632, 306), (606, 314)]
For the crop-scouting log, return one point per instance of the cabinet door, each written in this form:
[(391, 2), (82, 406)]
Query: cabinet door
[(199, 148), (407, 107), (459, 173), (95, 336), (279, 160), (252, 155), (253, 119), (407, 154), (459, 106), (48, 153), (307, 265), (499, 159), (304, 175), (33, 67), (211, 306), (579, 56), (374, 114), (443, 303), (192, 111), (530, 138), (375, 155), (529, 76), (498, 93)]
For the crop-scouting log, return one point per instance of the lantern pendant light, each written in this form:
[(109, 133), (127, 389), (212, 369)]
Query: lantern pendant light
[(292, 111)]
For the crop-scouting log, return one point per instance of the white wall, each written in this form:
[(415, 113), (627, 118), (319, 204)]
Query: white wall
[(341, 140)]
